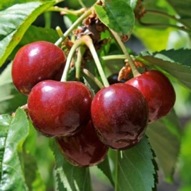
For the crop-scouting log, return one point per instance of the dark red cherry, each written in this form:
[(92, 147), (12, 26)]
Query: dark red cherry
[(59, 108), (113, 78), (120, 114), (157, 90), (35, 62), (84, 148)]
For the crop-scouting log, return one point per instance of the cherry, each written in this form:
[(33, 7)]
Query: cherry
[(113, 78), (35, 62), (120, 114), (59, 108), (157, 90), (84, 148)]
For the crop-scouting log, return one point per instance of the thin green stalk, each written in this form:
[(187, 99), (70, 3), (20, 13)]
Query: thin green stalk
[(91, 76), (66, 11), (114, 57), (124, 50), (47, 18), (79, 61), (85, 40), (69, 58), (89, 43), (81, 3), (59, 31), (73, 26)]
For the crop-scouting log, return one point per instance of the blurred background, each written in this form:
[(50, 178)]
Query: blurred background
[(142, 39)]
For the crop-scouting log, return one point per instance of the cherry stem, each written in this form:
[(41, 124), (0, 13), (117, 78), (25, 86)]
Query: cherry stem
[(88, 41), (79, 61), (69, 58), (66, 11), (114, 57), (81, 3), (59, 31), (47, 18), (124, 50), (73, 26), (91, 76), (24, 107)]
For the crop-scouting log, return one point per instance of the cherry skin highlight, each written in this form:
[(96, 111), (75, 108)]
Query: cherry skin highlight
[(84, 148), (157, 90), (59, 108), (120, 114), (36, 62)]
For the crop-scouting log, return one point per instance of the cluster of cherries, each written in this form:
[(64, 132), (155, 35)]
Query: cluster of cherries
[(85, 126)]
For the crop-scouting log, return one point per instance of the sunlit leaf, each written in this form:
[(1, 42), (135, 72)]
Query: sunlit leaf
[(10, 98), (134, 168), (36, 34), (183, 9), (11, 173), (165, 136), (15, 21), (185, 160), (88, 3), (67, 176), (39, 33), (33, 179), (9, 3), (117, 15), (106, 169), (175, 62), (36, 147)]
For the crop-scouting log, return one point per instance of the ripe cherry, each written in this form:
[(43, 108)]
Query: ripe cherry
[(35, 62), (120, 114), (84, 148), (157, 90), (59, 108)]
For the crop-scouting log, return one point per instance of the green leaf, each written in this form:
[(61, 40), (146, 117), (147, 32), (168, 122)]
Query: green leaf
[(155, 38), (36, 34), (185, 159), (14, 21), (132, 3), (105, 168), (134, 168), (165, 138), (33, 179), (36, 147), (11, 174), (117, 15), (9, 3), (183, 9), (175, 62), (69, 177), (88, 3), (10, 98), (4, 127), (39, 33)]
